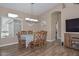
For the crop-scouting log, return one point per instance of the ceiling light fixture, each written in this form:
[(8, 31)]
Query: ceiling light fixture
[(12, 15), (30, 18)]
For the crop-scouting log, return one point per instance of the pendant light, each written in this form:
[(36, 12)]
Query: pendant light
[(31, 16)]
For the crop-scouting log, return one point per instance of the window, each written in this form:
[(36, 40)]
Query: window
[(4, 27)]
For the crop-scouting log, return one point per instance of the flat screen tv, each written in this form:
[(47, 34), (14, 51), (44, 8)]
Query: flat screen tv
[(72, 25)]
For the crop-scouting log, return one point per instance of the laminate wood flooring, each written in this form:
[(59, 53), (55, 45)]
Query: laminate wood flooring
[(51, 49)]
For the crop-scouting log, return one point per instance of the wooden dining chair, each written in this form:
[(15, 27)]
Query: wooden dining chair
[(21, 40), (39, 40)]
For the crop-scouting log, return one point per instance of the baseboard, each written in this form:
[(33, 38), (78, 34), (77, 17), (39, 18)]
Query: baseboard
[(8, 44), (50, 40)]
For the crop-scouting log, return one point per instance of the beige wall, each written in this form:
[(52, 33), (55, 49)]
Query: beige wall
[(67, 12), (46, 16), (71, 11), (50, 21), (5, 11)]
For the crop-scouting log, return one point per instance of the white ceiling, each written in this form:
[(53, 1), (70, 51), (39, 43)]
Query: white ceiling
[(38, 8)]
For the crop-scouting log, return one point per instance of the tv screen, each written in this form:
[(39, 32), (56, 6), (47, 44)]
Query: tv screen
[(72, 25)]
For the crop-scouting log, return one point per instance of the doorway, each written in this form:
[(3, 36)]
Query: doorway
[(56, 25)]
